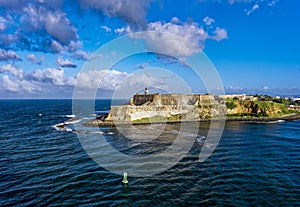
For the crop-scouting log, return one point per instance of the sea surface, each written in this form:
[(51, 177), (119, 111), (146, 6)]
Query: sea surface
[(255, 164)]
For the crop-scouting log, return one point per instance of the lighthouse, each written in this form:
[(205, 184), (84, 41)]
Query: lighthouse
[(146, 91)]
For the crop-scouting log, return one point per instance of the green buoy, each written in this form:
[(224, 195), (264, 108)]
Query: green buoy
[(125, 181)]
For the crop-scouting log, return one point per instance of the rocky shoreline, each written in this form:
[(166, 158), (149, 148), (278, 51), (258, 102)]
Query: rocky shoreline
[(289, 117)]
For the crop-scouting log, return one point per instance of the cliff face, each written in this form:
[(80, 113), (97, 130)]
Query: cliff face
[(255, 108)]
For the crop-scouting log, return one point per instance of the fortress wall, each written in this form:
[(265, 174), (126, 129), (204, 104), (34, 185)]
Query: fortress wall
[(165, 105), (172, 99), (140, 99)]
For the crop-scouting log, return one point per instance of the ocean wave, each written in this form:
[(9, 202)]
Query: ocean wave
[(61, 127), (73, 121), (70, 116), (272, 122)]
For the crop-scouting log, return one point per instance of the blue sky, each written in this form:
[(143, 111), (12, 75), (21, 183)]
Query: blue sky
[(254, 44)]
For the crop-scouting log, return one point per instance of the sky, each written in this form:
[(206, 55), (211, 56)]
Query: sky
[(46, 44)]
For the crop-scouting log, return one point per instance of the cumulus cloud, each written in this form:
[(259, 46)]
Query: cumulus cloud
[(133, 12), (219, 34), (38, 25), (50, 75), (111, 79), (42, 25), (18, 86), (168, 37), (59, 27), (81, 55), (33, 58), (12, 69), (65, 63), (8, 55), (55, 23), (14, 79), (165, 39), (17, 4)]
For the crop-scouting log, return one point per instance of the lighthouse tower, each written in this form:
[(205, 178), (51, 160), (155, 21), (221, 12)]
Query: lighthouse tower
[(146, 91)]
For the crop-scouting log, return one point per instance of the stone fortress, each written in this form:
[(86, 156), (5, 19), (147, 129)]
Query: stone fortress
[(170, 107)]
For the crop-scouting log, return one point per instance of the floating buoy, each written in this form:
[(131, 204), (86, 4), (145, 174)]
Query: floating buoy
[(125, 181)]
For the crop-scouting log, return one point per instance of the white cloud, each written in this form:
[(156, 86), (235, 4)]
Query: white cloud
[(81, 55), (18, 86), (172, 38), (3, 22), (253, 8), (36, 81), (175, 20), (8, 55), (12, 69), (123, 30), (6, 39), (219, 34), (17, 5), (55, 23), (265, 88), (208, 21), (32, 58), (50, 75), (133, 12), (37, 25), (65, 63), (106, 28), (59, 27), (111, 79), (167, 37), (56, 47), (35, 59), (55, 79)]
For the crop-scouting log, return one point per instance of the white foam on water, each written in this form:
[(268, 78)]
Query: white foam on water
[(70, 116), (135, 144), (95, 132), (68, 130), (72, 121), (273, 122), (59, 126)]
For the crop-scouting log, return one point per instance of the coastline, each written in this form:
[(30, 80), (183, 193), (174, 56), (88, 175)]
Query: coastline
[(288, 117)]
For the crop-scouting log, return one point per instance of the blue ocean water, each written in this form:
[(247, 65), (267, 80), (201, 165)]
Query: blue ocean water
[(253, 165)]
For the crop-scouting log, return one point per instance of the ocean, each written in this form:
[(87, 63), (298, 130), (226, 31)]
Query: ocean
[(254, 164)]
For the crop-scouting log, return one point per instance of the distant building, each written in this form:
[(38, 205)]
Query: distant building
[(294, 107), (240, 97), (295, 99)]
